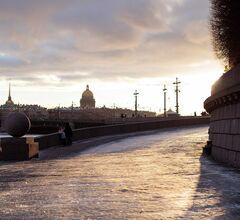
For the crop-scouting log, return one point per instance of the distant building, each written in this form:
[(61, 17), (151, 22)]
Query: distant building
[(171, 113), (9, 102), (87, 100), (91, 114), (86, 111), (34, 112)]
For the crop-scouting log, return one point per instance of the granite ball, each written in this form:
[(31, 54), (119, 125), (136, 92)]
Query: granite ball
[(17, 124)]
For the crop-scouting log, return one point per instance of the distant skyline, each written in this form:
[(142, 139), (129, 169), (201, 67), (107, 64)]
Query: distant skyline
[(51, 49)]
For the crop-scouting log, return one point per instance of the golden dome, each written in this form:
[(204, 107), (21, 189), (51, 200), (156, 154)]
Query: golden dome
[(87, 93)]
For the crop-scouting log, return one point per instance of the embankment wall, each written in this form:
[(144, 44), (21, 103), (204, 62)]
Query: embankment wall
[(86, 133), (224, 107)]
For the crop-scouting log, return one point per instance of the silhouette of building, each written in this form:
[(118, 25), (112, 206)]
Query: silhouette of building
[(87, 100), (92, 114), (35, 112), (9, 102), (86, 111), (171, 113)]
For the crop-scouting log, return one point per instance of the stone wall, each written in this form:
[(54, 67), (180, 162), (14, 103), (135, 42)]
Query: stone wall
[(224, 107), (85, 133)]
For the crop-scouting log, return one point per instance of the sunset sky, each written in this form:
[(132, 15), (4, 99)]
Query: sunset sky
[(51, 49)]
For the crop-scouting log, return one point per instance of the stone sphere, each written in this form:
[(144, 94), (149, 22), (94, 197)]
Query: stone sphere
[(17, 124)]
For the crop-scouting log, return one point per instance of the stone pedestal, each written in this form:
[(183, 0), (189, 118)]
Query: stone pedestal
[(18, 148)]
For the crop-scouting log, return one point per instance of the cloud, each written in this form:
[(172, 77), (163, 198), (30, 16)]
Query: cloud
[(105, 39)]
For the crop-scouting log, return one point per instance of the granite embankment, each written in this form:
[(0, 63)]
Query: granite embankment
[(224, 107), (50, 140)]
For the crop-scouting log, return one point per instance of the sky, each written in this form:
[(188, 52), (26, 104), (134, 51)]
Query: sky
[(51, 49)]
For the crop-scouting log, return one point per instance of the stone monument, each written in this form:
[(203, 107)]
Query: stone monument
[(17, 124), (18, 147)]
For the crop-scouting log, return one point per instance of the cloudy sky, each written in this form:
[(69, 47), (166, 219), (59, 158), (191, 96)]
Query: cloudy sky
[(50, 50)]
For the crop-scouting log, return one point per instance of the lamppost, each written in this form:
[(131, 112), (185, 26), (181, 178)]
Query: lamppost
[(114, 110), (136, 96), (58, 112), (72, 111)]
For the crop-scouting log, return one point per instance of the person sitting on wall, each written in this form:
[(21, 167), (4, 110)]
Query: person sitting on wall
[(68, 133), (62, 135)]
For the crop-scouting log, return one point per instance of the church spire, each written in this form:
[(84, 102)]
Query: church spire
[(9, 92), (9, 101)]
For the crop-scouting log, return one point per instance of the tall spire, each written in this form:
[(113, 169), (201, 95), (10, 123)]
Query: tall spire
[(9, 92), (9, 101)]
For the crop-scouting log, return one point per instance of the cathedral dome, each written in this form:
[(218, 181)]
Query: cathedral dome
[(87, 100), (87, 93)]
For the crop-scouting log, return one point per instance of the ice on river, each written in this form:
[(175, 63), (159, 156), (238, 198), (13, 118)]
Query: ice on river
[(158, 175)]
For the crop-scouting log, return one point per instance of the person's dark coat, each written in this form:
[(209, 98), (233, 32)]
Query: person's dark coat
[(68, 133)]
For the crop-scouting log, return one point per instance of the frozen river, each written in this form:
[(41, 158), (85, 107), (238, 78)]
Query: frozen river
[(159, 175)]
